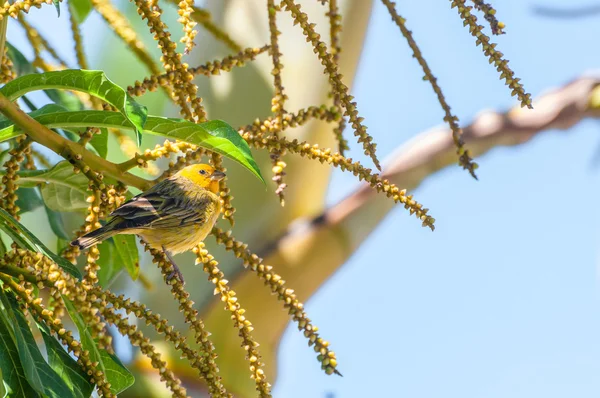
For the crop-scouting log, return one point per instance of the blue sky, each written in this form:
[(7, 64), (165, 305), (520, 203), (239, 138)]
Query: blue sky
[(502, 299)]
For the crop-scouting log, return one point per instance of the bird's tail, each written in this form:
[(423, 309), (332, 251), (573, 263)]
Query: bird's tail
[(96, 236)]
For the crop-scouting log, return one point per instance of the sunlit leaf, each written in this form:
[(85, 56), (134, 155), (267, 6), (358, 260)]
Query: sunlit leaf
[(117, 374), (92, 82), (65, 366), (127, 253), (25, 239), (214, 135), (39, 374)]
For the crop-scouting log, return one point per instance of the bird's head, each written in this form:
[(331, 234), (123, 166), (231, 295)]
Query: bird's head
[(203, 175)]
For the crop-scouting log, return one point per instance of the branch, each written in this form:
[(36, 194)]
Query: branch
[(65, 148)]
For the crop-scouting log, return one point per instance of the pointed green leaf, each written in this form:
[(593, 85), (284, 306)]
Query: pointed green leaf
[(13, 375), (27, 240), (57, 5), (100, 143), (39, 374), (109, 266), (3, 390), (56, 224), (127, 253), (21, 64), (80, 9), (117, 374), (65, 366), (93, 82), (28, 199), (215, 135)]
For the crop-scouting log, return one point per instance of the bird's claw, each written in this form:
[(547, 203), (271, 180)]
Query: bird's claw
[(175, 270)]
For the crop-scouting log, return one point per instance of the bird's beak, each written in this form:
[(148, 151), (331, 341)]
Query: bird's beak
[(217, 175)]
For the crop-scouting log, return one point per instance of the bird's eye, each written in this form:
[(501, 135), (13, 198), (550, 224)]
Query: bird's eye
[(203, 172)]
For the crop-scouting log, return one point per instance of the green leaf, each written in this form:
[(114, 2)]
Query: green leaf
[(39, 374), (27, 240), (65, 366), (118, 375), (28, 199), (80, 9), (3, 390), (100, 143), (57, 5), (21, 64), (62, 189), (63, 98), (215, 135), (56, 224), (13, 375), (93, 82), (109, 266), (127, 252)]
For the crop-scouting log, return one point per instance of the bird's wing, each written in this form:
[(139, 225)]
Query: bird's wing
[(160, 208)]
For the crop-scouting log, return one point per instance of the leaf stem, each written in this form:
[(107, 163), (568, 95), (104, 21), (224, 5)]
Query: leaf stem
[(65, 148)]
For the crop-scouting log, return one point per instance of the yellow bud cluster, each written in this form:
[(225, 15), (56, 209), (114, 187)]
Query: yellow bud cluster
[(14, 9), (227, 207), (183, 89), (241, 323), (204, 17), (10, 178), (185, 11), (6, 69)]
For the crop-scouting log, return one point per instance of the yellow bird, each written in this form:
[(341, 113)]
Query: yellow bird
[(174, 215)]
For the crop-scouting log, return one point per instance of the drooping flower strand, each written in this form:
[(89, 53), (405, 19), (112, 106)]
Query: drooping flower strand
[(284, 294), (489, 13), (241, 323), (338, 86), (489, 49), (464, 159), (278, 100), (186, 306), (335, 29)]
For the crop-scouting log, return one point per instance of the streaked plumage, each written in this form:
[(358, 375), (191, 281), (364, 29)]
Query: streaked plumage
[(174, 215)]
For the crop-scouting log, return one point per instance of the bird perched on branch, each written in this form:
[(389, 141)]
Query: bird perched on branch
[(174, 215)]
